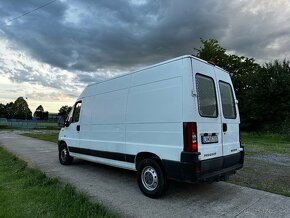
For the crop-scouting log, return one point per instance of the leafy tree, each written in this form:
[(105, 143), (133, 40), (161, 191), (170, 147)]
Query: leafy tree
[(20, 109), (9, 110), (2, 111), (271, 96), (39, 109), (44, 115), (241, 69), (40, 113), (64, 110), (212, 51)]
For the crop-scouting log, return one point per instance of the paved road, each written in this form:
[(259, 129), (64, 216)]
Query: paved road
[(118, 189)]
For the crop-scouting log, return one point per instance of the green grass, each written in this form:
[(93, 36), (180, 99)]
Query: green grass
[(47, 125), (26, 192), (266, 143), (47, 137)]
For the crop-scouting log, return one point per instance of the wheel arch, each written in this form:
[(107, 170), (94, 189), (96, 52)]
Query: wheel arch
[(144, 155), (61, 142)]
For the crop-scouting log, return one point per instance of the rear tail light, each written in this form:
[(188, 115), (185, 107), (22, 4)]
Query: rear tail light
[(190, 137), (197, 169)]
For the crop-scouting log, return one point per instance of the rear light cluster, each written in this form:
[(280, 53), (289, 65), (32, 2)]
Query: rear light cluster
[(190, 137)]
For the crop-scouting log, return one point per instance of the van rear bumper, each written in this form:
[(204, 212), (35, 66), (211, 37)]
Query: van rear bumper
[(191, 169)]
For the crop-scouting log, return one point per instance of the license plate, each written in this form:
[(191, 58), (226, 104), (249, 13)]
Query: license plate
[(207, 139)]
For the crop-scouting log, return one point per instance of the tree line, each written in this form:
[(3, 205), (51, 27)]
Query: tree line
[(16, 110), (19, 109), (263, 90)]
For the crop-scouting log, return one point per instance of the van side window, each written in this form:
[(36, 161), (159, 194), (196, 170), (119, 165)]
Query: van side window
[(70, 114), (76, 113), (228, 102), (206, 96)]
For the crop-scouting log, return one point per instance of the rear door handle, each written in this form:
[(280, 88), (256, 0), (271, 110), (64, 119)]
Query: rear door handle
[(78, 127), (225, 127)]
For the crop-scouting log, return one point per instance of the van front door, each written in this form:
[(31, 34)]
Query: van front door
[(207, 112), (229, 114), (72, 129)]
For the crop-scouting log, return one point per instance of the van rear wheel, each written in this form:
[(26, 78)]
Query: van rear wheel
[(151, 178), (63, 155)]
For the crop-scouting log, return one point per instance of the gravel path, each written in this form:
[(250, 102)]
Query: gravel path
[(269, 172), (278, 159)]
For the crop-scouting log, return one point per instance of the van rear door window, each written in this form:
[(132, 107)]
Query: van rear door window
[(206, 96), (228, 102)]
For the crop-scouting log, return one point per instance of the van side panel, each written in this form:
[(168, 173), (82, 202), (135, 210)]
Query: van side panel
[(154, 111), (103, 117), (155, 102), (115, 84)]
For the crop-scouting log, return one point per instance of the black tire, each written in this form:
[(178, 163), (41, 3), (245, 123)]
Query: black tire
[(151, 178), (63, 155)]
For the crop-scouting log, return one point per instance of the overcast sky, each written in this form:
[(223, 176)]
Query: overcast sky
[(48, 56)]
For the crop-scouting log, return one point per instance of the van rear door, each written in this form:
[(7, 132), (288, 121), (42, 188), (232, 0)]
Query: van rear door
[(207, 114), (229, 113)]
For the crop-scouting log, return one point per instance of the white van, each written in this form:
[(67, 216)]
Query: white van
[(177, 120)]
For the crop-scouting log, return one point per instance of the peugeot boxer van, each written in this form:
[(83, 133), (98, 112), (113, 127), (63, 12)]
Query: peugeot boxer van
[(177, 119)]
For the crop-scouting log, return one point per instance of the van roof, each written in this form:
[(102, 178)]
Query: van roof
[(158, 64)]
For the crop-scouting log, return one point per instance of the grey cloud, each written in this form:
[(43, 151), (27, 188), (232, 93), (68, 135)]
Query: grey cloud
[(88, 78), (92, 37), (22, 75), (254, 33), (114, 33)]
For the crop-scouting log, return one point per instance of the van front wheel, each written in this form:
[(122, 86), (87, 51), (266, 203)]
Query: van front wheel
[(63, 155), (151, 179)]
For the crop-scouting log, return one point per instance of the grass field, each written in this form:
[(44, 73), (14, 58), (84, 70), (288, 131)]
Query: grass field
[(26, 192), (266, 143)]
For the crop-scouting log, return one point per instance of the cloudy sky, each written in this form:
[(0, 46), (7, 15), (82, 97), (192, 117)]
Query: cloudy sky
[(48, 56)]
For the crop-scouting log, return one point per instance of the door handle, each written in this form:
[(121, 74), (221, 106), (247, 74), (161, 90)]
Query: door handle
[(78, 127), (225, 127)]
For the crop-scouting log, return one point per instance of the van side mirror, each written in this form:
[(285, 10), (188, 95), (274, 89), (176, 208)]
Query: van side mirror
[(62, 122), (66, 123)]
